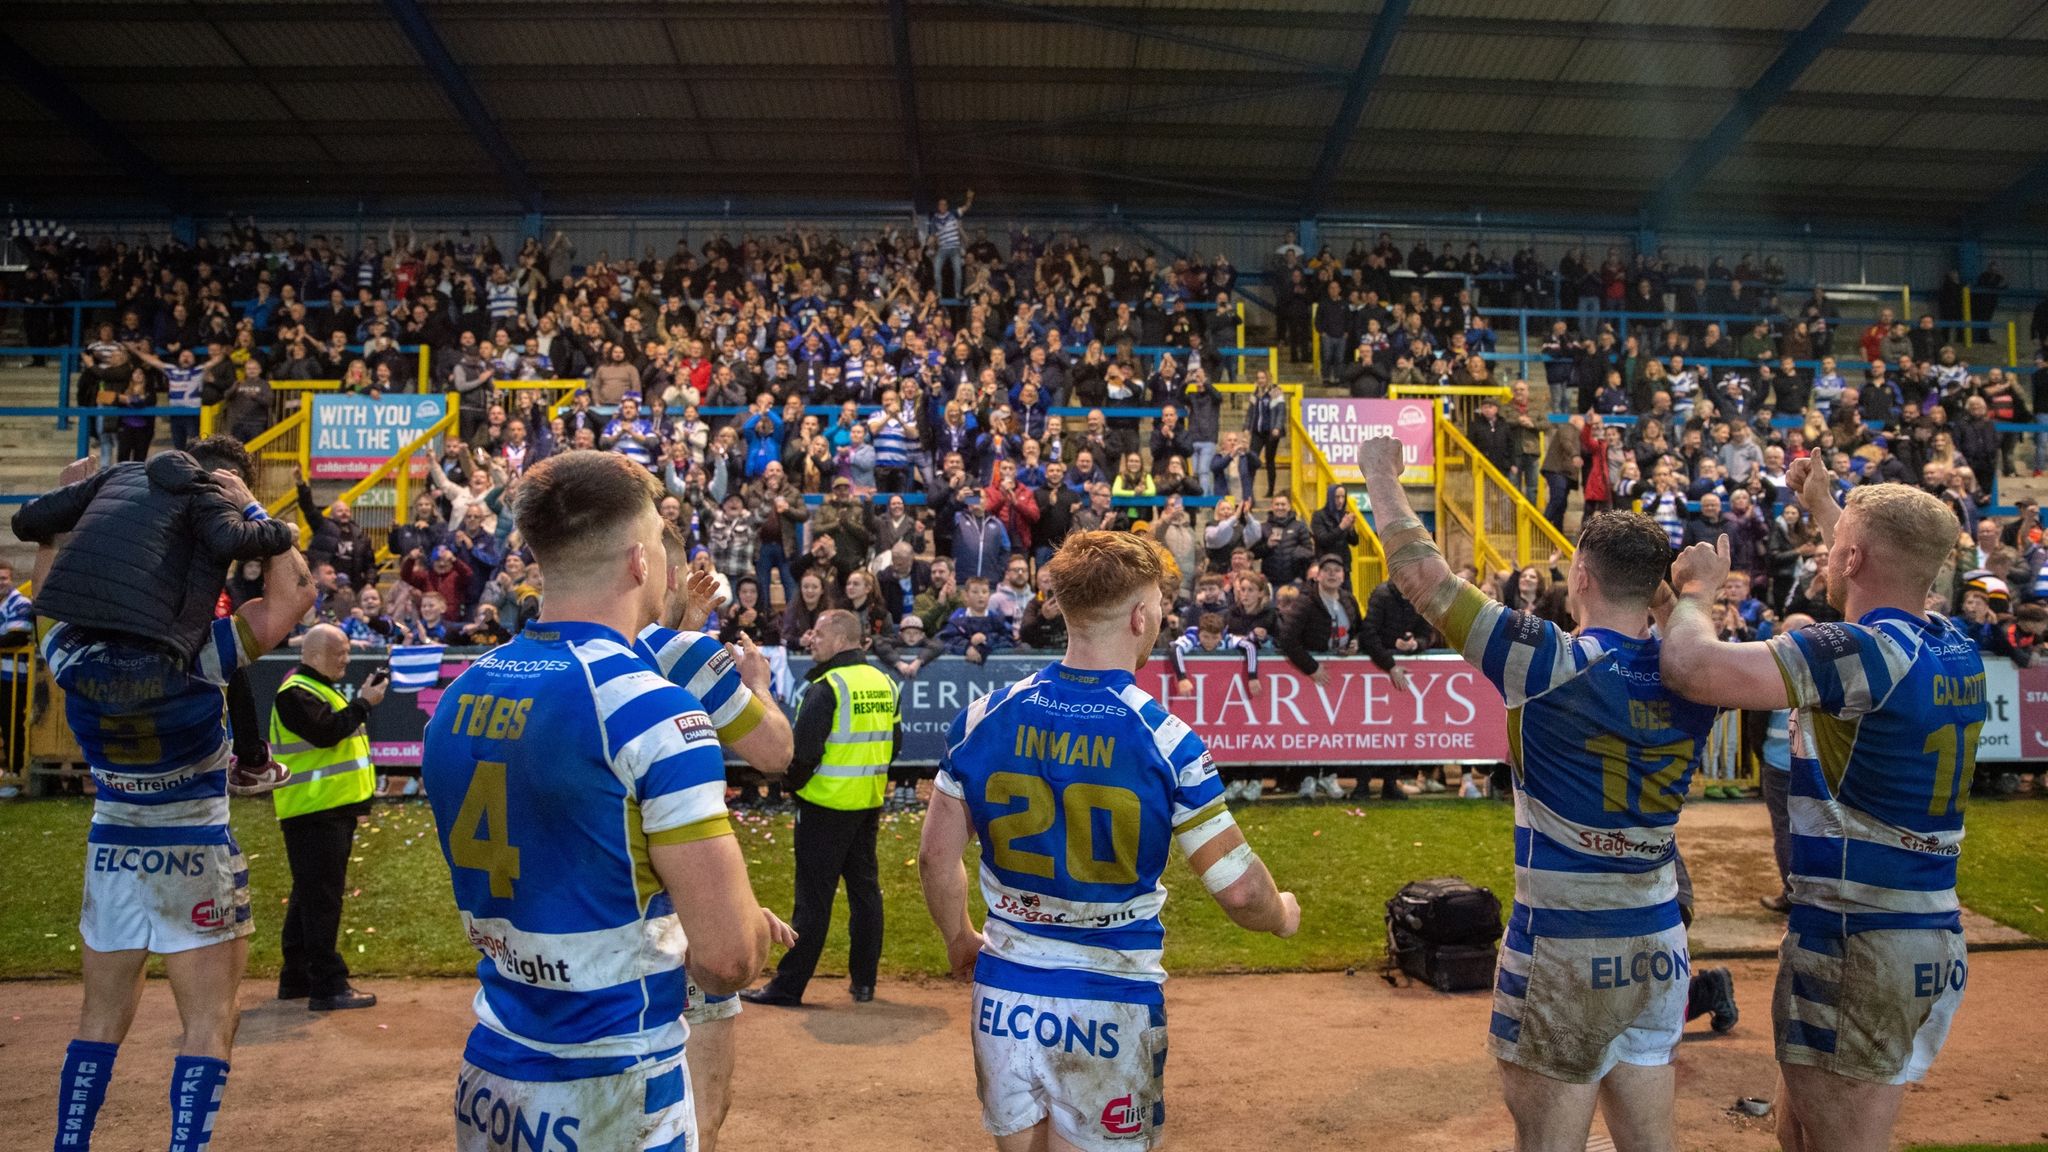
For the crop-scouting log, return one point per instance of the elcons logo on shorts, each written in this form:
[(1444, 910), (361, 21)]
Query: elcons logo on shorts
[(1120, 1117), (209, 915)]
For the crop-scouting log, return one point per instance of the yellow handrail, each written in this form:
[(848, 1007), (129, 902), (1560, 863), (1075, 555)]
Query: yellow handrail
[(399, 477), (1465, 481), (1311, 476), (280, 446)]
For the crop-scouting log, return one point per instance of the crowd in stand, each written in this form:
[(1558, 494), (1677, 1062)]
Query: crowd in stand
[(906, 424)]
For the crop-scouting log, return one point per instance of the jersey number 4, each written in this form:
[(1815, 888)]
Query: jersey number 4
[(480, 838), (1080, 803)]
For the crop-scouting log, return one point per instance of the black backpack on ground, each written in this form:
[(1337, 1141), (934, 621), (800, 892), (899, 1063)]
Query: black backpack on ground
[(1443, 932)]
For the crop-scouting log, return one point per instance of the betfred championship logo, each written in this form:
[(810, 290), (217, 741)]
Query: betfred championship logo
[(1120, 1117)]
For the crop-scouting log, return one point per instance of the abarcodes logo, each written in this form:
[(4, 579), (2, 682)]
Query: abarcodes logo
[(209, 915), (1120, 1117)]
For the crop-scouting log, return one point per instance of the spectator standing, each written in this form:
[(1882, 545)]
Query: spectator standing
[(981, 545), (1285, 547), (948, 243)]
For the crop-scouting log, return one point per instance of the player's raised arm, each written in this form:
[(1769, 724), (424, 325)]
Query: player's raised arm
[(1697, 664), (288, 594), (942, 867), (1413, 561)]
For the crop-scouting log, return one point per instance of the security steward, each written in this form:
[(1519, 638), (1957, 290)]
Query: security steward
[(318, 734), (847, 733)]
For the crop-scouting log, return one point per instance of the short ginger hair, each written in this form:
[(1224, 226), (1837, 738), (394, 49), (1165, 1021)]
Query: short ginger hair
[(1094, 573)]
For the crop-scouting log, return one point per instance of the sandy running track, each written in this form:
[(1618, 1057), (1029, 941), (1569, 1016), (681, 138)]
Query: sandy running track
[(1298, 1062)]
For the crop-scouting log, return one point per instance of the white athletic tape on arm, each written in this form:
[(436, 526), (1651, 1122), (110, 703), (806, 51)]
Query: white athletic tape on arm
[(1192, 838), (1226, 870)]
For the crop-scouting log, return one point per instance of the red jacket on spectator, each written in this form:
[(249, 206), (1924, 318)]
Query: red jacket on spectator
[(1593, 477), (1016, 510), (451, 584), (1873, 339)]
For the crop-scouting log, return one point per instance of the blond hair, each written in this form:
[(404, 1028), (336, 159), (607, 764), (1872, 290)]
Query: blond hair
[(1094, 573), (1907, 524)]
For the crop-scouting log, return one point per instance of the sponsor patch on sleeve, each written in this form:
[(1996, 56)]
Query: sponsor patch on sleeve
[(1831, 641), (696, 726)]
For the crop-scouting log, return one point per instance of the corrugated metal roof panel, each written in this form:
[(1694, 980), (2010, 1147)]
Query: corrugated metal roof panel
[(1973, 134), (1882, 174), (155, 103), (797, 43), (1903, 73), (2009, 76), (1704, 65), (1433, 112), (1335, 50), (64, 43), (1273, 110), (556, 43), (385, 154), (1366, 156), (941, 44), (955, 102), (1839, 126), (583, 99), (357, 43), (1363, 6), (846, 99), (549, 149), (403, 100), (2034, 29), (1514, 9), (1919, 18), (1654, 119), (1620, 168), (1479, 57), (1152, 156), (861, 151), (1777, 14)]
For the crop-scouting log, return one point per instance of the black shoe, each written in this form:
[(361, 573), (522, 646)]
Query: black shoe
[(1392, 791), (1721, 985), (772, 996), (342, 1001), (292, 991), (862, 993), (1776, 903)]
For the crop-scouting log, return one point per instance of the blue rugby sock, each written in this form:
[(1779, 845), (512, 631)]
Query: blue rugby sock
[(196, 1086), (88, 1069)]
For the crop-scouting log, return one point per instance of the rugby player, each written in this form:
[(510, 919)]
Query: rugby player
[(1077, 784), (1590, 996), (1889, 704), (580, 801), (163, 873), (739, 698)]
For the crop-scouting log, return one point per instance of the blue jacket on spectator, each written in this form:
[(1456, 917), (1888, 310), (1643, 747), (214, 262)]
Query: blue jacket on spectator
[(764, 441), (958, 633), (981, 545)]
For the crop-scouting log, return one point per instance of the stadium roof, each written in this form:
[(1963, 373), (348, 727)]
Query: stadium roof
[(1878, 109)]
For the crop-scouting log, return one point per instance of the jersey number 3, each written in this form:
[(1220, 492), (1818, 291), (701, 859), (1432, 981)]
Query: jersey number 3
[(480, 838), (1080, 803)]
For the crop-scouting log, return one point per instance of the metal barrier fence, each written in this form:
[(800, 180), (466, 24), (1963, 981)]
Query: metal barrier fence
[(1310, 478), (1504, 527)]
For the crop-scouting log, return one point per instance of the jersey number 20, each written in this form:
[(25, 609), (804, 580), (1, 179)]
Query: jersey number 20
[(1079, 802), (480, 838)]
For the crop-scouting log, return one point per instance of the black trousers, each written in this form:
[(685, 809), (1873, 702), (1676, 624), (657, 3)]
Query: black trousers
[(831, 844), (317, 845)]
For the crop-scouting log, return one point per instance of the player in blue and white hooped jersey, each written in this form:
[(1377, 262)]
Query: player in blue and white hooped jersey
[(1890, 703), (163, 874), (738, 697), (1591, 992), (580, 802), (1078, 786)]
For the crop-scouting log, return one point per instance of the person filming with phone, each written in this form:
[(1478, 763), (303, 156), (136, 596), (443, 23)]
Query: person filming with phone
[(318, 733)]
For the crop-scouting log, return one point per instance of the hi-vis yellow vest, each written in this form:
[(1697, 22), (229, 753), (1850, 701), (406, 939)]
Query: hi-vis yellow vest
[(321, 778), (854, 770)]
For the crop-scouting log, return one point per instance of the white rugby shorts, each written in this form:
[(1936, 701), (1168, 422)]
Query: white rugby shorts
[(649, 1109), (1095, 1067), (1571, 1009), (164, 898), (1874, 1006)]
